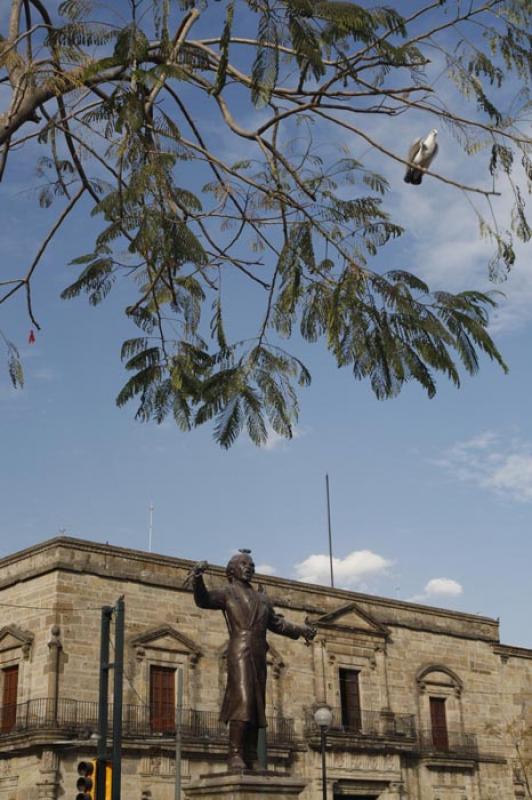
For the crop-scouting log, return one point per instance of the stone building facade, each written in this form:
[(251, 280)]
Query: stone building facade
[(426, 702)]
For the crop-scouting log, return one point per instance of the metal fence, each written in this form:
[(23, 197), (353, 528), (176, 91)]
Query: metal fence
[(448, 742), (79, 717), (367, 723)]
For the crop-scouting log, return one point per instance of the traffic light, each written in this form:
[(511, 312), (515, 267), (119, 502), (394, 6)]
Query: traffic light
[(108, 780), (86, 784), (87, 781)]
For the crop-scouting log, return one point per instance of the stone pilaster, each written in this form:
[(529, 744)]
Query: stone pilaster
[(48, 784)]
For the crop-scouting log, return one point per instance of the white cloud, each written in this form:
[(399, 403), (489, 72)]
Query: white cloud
[(265, 569), (438, 587), (492, 463), (348, 572), (446, 586)]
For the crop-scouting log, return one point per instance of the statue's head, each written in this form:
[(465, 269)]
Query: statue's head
[(241, 567)]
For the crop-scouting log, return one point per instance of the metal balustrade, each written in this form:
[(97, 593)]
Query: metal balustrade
[(374, 724), (448, 741), (80, 717)]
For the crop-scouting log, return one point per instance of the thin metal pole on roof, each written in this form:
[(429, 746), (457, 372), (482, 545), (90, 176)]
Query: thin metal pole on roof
[(150, 529), (329, 527)]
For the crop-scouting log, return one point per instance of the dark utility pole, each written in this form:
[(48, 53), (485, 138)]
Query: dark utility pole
[(103, 713), (117, 699), (323, 734), (102, 774)]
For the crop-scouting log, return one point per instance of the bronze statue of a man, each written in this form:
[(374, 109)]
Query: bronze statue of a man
[(249, 614)]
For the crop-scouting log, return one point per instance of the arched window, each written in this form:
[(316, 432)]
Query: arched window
[(440, 711)]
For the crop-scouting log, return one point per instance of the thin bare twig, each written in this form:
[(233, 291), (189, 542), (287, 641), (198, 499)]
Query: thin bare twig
[(46, 241)]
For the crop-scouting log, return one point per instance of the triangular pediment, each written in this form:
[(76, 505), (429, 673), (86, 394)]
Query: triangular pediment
[(350, 617), (12, 637), (167, 638)]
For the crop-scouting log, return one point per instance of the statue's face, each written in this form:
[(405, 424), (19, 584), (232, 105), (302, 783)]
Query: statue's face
[(244, 568)]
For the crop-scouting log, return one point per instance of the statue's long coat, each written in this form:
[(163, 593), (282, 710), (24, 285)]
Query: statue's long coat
[(249, 614)]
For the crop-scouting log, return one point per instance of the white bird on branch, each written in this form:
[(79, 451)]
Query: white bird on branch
[(421, 154)]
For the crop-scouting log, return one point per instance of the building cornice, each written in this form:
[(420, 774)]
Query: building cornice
[(9, 575)]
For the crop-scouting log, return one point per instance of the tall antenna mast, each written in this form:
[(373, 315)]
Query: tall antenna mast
[(150, 529), (329, 527)]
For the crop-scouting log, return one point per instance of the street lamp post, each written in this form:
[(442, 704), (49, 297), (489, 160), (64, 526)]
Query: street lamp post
[(323, 719)]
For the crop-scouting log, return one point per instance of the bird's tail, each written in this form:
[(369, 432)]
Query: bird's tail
[(413, 176)]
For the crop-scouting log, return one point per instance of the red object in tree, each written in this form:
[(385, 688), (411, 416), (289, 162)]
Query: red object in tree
[(31, 337)]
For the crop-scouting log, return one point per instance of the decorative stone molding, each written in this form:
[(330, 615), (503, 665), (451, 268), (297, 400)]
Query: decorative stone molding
[(12, 637), (350, 617), (166, 646), (55, 637), (176, 642), (425, 671)]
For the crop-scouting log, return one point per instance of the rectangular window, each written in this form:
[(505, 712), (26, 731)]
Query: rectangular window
[(350, 699), (9, 698), (162, 699), (438, 720)]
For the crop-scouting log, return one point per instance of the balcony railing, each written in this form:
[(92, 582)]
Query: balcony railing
[(448, 742), (368, 724), (78, 717)]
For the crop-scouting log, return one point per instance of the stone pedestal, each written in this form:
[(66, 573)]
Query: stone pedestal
[(245, 785)]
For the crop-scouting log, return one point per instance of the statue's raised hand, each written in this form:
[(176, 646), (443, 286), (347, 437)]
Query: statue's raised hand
[(197, 570), (308, 633)]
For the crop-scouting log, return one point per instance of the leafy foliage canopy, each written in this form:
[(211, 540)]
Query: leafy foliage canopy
[(118, 100)]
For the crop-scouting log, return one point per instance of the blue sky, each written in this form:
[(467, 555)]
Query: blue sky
[(431, 499)]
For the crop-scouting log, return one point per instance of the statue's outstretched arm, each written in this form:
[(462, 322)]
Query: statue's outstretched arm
[(215, 598), (278, 624)]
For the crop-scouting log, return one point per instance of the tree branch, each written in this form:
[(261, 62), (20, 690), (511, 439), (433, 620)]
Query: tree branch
[(46, 241)]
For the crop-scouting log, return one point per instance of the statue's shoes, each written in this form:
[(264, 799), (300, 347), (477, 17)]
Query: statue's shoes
[(236, 762)]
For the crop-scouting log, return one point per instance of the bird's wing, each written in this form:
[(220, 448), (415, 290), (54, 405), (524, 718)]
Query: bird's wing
[(414, 150), (428, 156)]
